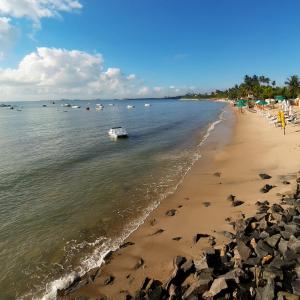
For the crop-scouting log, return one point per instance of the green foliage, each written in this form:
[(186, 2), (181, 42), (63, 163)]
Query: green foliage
[(258, 87)]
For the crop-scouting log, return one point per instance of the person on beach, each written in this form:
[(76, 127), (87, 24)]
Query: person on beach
[(285, 105)]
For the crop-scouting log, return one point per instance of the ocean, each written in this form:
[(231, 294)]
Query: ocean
[(69, 193)]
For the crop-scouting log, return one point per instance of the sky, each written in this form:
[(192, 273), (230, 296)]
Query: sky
[(84, 49)]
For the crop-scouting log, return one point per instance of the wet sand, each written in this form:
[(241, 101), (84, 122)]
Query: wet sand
[(240, 148)]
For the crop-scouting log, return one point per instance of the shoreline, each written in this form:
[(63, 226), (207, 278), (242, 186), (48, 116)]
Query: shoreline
[(226, 170)]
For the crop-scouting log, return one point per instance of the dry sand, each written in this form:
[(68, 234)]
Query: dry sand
[(252, 146)]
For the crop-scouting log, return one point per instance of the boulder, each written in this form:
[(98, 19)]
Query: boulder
[(244, 251), (286, 296), (273, 240), (109, 280), (237, 203), (266, 188), (198, 236), (197, 288), (171, 212), (265, 176), (267, 292), (218, 285)]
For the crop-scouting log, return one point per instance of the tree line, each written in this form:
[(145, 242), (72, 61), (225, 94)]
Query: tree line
[(258, 87)]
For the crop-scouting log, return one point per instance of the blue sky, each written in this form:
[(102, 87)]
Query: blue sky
[(170, 46)]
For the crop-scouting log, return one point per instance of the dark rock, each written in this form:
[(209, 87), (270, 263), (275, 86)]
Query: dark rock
[(228, 234), (171, 212), (188, 266), (282, 246), (266, 188), (198, 236), (296, 219), (145, 283), (265, 176), (139, 263), (294, 244), (277, 208), (108, 256), (212, 240), (177, 238), (159, 231), (124, 245), (179, 260), (243, 250), (264, 235), (217, 174), (218, 285), (252, 261), (286, 296), (262, 249), (197, 288), (296, 287), (231, 198), (109, 280), (237, 202), (273, 240), (206, 204), (266, 292), (285, 182)]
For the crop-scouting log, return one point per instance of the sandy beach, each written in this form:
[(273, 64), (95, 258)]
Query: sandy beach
[(237, 151)]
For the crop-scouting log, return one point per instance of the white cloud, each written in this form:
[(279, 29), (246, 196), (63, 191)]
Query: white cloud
[(131, 77), (60, 73), (144, 91), (37, 9), (8, 33)]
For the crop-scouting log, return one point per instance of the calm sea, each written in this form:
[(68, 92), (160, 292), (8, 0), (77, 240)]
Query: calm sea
[(68, 193)]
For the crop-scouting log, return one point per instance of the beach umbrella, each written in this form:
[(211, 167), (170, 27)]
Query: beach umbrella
[(279, 98), (241, 103), (261, 102)]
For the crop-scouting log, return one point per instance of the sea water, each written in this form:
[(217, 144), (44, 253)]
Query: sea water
[(69, 193)]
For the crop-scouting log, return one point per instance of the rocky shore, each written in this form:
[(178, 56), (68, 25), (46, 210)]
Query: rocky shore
[(260, 260)]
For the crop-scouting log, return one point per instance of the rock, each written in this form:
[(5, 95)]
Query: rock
[(198, 236), (273, 240), (228, 234), (197, 288), (266, 259), (296, 219), (171, 212), (145, 283), (266, 292), (243, 250), (296, 287), (159, 231), (294, 244), (188, 266), (286, 296), (231, 198), (264, 235), (206, 204), (237, 202), (282, 246), (218, 285), (285, 182), (277, 208), (263, 249), (217, 174), (124, 245), (265, 176), (179, 260), (108, 256), (177, 238), (109, 280), (212, 240), (139, 263), (201, 263), (266, 188)]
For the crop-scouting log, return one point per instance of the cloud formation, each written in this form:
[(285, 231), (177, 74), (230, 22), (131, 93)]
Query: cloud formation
[(8, 33), (35, 10), (60, 73)]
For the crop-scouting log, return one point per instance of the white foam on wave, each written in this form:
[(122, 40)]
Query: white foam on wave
[(97, 258)]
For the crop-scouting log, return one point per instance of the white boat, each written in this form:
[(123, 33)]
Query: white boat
[(99, 106), (130, 106), (66, 105), (147, 105), (118, 132), (75, 106), (111, 104)]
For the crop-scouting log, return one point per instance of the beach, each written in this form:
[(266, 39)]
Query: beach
[(200, 205)]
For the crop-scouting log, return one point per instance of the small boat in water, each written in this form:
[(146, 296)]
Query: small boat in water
[(111, 104), (130, 106), (66, 105), (87, 108), (99, 106), (75, 106), (118, 132), (147, 105)]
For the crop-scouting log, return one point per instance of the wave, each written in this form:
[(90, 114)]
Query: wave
[(108, 244)]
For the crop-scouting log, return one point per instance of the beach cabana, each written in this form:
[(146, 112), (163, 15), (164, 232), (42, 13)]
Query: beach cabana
[(241, 103)]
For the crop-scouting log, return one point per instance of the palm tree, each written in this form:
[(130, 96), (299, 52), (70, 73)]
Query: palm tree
[(293, 84), (273, 83)]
